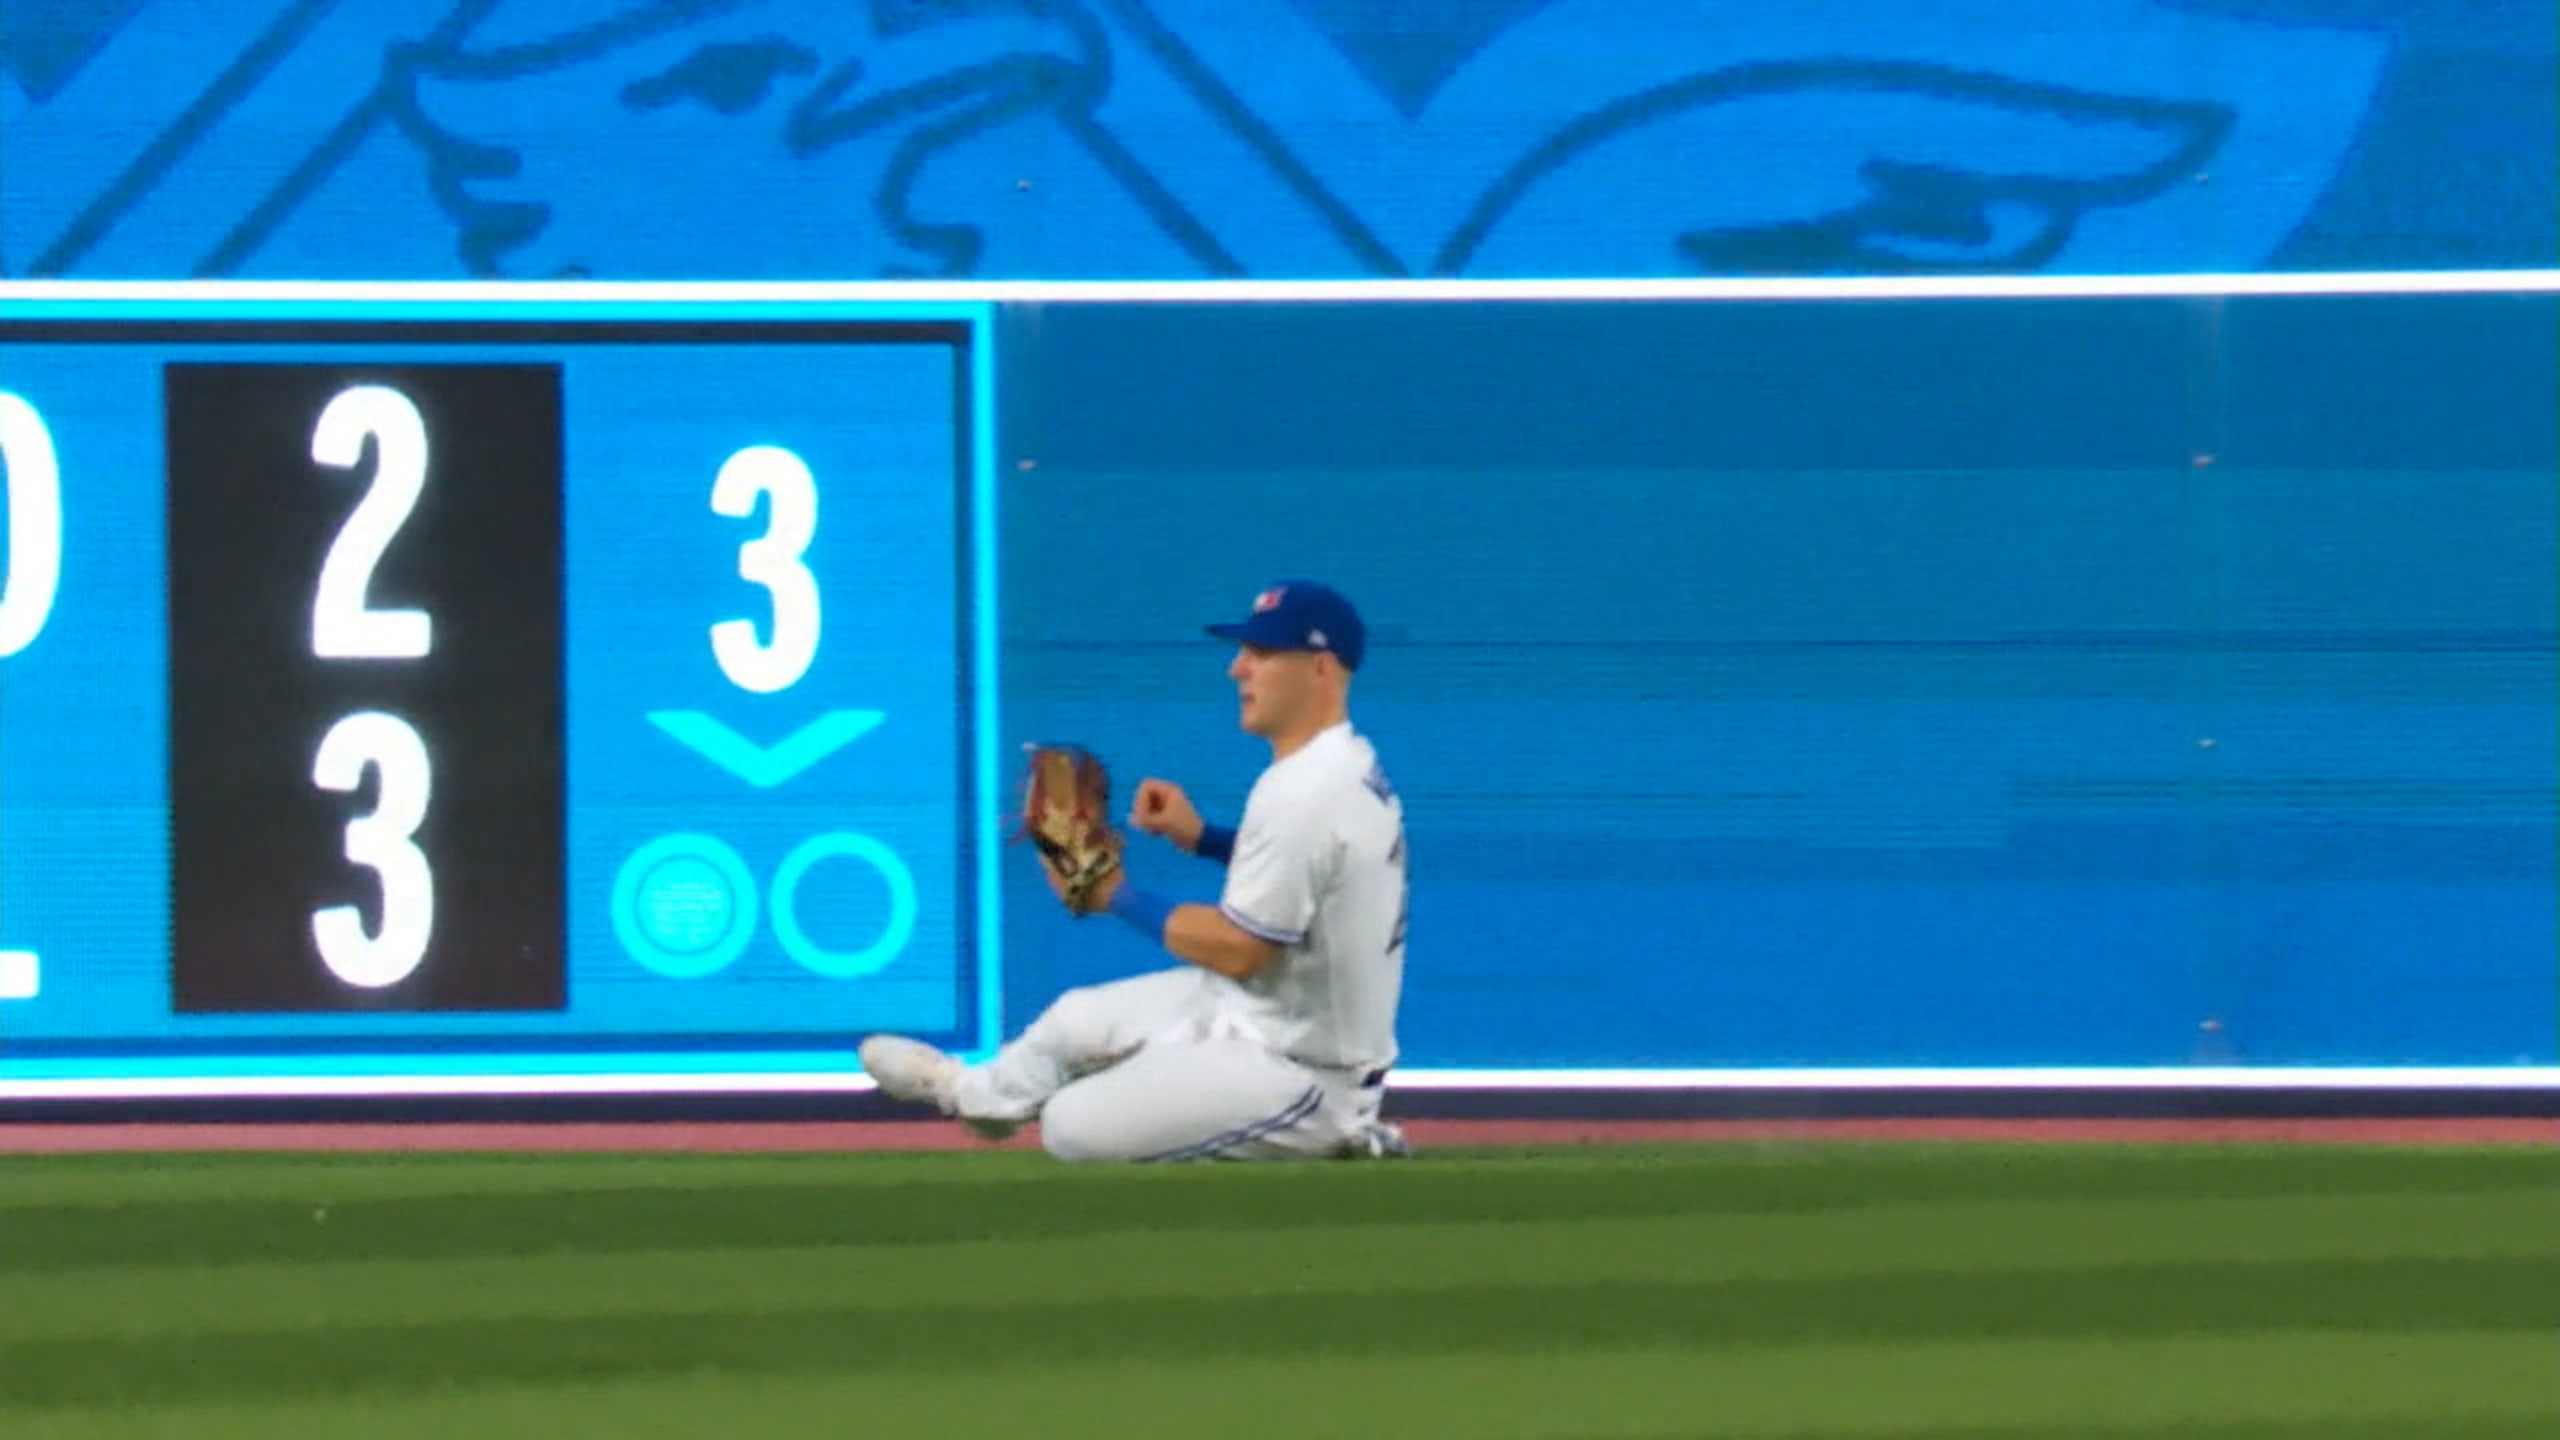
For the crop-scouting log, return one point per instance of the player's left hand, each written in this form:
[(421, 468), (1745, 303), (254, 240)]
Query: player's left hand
[(1066, 815)]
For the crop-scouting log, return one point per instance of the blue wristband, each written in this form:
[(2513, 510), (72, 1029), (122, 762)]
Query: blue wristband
[(1217, 842), (1147, 913)]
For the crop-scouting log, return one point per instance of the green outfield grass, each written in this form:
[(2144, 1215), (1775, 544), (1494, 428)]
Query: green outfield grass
[(1782, 1292)]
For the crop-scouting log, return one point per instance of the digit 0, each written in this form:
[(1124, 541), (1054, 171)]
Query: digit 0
[(35, 524)]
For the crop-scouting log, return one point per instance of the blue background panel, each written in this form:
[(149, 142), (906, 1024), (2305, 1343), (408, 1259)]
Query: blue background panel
[(2140, 682)]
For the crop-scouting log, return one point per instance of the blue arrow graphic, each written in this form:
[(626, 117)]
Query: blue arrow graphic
[(761, 766)]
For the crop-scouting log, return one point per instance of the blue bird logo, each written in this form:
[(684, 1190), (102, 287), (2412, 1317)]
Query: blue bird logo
[(817, 138)]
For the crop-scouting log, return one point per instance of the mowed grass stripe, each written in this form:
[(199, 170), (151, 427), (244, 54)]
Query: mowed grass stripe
[(840, 1206), (121, 1181), (711, 1278), (126, 1178), (273, 1424), (2382, 1386), (2122, 1301)]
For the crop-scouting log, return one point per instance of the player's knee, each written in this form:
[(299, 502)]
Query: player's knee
[(1075, 1129), (1075, 1017), (1069, 1145)]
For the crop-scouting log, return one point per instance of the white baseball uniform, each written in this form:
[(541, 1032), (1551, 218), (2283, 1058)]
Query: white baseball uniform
[(1188, 1064)]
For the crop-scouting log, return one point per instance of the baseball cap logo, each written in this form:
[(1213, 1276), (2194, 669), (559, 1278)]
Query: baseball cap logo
[(1298, 614)]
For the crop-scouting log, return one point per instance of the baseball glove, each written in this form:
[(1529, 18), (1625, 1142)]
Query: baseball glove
[(1066, 812)]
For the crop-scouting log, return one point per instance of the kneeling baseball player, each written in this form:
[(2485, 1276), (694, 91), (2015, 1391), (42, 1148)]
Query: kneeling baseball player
[(1274, 1039)]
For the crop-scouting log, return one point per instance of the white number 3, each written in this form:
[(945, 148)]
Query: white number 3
[(776, 562), (384, 842)]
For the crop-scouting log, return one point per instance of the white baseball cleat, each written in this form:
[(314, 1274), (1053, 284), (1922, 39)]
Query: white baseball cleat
[(907, 1069), (1382, 1140)]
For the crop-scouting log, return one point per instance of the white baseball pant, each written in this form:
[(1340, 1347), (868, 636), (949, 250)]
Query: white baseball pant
[(1149, 1068)]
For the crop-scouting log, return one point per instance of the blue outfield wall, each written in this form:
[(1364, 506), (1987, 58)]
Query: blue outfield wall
[(1980, 683), (2125, 682), (1938, 683)]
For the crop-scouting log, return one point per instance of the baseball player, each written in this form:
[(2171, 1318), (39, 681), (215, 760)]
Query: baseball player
[(1274, 1039)]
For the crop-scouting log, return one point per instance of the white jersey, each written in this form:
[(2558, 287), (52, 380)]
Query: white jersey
[(1319, 869)]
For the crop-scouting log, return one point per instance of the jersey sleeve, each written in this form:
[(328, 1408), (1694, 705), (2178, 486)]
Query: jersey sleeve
[(1275, 874)]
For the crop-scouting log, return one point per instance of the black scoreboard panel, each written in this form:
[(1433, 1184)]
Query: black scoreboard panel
[(365, 686)]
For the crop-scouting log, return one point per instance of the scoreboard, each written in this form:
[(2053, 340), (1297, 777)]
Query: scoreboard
[(492, 690)]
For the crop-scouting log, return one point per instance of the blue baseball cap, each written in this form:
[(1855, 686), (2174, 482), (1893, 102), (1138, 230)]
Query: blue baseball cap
[(1301, 615)]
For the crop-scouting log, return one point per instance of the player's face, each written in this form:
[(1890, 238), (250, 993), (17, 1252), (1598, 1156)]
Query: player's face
[(1273, 688)]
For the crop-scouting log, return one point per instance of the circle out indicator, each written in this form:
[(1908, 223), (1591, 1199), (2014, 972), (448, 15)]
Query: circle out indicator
[(684, 905), (895, 930)]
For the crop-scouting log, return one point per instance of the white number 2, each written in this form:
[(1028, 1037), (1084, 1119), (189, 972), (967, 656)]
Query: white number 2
[(384, 842), (343, 627), (776, 561), (35, 524)]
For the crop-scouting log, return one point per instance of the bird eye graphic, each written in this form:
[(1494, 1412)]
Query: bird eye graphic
[(732, 78)]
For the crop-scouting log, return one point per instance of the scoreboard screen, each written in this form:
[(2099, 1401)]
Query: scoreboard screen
[(510, 692)]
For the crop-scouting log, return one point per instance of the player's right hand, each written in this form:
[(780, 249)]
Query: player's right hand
[(1160, 808)]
